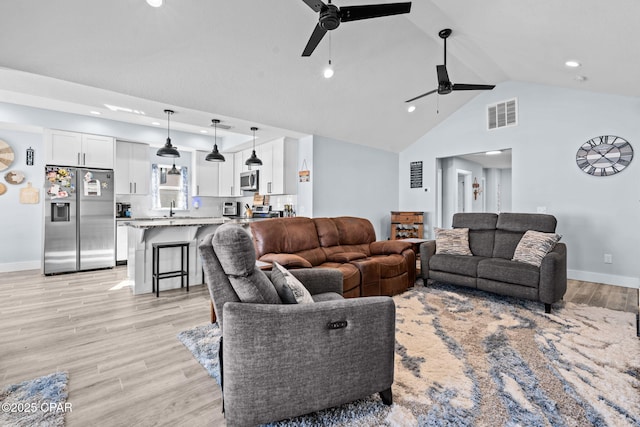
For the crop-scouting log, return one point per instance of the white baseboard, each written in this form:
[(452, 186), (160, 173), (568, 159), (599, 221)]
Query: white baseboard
[(607, 279), (20, 266)]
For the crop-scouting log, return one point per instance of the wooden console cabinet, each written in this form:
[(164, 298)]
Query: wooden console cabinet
[(406, 225)]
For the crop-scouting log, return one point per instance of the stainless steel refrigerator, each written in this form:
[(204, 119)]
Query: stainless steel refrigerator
[(79, 219)]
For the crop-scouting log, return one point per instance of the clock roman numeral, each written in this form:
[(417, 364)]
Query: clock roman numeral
[(583, 163)]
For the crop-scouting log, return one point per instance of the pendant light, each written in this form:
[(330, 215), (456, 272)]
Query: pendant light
[(253, 160), (174, 170), (214, 155), (168, 150)]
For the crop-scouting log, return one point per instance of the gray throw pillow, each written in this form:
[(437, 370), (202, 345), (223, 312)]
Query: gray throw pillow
[(237, 256), (290, 289), (533, 246)]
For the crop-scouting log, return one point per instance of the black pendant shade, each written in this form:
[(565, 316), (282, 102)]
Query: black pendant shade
[(253, 160), (168, 150), (214, 155), (174, 170)]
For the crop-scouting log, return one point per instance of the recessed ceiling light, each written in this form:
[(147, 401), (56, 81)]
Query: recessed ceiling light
[(572, 64), (411, 108), (124, 109), (203, 131), (97, 113), (155, 3), (155, 123), (493, 153)]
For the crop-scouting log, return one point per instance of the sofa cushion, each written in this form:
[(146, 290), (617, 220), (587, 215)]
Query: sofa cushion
[(345, 256), (534, 246), (287, 260), (452, 241), (482, 229), (511, 227), (385, 247), (508, 271), (278, 236), (458, 264), (290, 289), (354, 231), (235, 251), (350, 275)]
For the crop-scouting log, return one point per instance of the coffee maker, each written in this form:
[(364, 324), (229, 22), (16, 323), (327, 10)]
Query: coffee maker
[(123, 210)]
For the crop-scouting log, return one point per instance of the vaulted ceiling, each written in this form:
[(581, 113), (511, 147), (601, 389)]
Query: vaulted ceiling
[(241, 60)]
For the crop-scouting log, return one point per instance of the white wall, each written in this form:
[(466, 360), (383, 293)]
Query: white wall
[(596, 215), (20, 224), (354, 180)]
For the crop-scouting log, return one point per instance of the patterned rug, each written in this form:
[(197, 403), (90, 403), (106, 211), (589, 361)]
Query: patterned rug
[(469, 358), (40, 402)]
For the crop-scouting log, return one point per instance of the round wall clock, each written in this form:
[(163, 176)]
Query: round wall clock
[(604, 155)]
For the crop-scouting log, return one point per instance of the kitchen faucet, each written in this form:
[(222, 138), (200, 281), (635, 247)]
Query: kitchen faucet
[(171, 206)]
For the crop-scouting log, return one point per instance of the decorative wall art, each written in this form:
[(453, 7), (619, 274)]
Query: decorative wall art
[(14, 177), (29, 195), (6, 155), (305, 174), (416, 174), (604, 155), (30, 156)]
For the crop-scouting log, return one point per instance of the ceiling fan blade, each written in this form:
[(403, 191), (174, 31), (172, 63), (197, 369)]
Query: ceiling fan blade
[(316, 36), (316, 5), (463, 86), (355, 13), (420, 96), (443, 76)]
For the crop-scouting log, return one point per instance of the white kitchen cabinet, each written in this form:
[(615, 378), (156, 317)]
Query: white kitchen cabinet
[(78, 149), (133, 168), (279, 167), (207, 176), (227, 176), (121, 243)]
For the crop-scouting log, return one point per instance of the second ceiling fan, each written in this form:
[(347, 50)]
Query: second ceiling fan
[(331, 16), (444, 83)]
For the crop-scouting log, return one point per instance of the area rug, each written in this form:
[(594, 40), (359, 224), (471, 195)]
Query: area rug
[(470, 358), (40, 402)]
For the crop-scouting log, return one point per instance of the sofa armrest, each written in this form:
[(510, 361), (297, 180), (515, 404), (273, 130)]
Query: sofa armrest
[(553, 275), (427, 250), (286, 260), (320, 280), (386, 247), (287, 358)]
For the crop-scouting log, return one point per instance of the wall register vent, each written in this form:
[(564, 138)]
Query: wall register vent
[(502, 114)]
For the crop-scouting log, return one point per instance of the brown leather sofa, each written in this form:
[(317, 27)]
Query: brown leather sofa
[(368, 267)]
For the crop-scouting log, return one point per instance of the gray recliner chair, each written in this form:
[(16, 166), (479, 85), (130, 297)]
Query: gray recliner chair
[(284, 360)]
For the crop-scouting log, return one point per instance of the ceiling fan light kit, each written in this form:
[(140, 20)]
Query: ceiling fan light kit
[(154, 3), (331, 16), (168, 150), (253, 160), (444, 83), (214, 155)]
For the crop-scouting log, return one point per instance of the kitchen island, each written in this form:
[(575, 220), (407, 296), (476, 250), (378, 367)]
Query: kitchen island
[(144, 232)]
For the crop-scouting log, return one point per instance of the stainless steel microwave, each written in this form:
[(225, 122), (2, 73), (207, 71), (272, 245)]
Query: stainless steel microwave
[(249, 181)]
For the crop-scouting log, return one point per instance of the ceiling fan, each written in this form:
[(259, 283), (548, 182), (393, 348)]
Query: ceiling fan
[(331, 16), (444, 84)]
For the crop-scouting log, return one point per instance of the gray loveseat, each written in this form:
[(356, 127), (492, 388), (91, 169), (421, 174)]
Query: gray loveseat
[(493, 239), (283, 360)]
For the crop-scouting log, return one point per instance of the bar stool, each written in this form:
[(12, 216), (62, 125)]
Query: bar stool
[(156, 276)]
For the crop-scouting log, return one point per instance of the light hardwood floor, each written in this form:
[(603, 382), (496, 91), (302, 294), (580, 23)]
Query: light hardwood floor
[(125, 364)]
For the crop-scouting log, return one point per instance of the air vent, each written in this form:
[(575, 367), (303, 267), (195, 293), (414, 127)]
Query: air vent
[(502, 114), (221, 126)]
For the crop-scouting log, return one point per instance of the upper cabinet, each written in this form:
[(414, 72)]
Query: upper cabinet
[(227, 176), (278, 173), (207, 175), (78, 149), (133, 168)]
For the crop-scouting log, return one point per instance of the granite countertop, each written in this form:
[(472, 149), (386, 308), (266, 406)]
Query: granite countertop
[(176, 221)]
